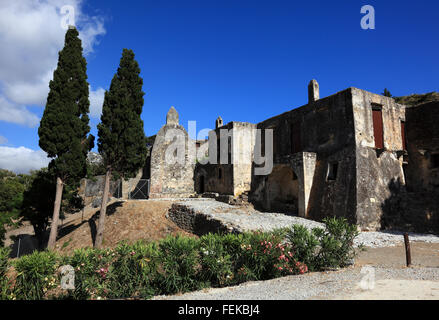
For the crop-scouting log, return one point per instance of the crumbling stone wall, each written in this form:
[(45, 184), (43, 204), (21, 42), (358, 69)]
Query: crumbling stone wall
[(324, 129), (377, 168), (172, 174), (423, 146), (233, 177), (92, 189), (414, 206)]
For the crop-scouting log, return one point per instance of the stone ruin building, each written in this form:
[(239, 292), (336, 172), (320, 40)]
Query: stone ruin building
[(354, 154)]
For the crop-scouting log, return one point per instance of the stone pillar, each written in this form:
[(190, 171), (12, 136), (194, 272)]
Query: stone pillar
[(313, 91), (304, 164), (172, 116)]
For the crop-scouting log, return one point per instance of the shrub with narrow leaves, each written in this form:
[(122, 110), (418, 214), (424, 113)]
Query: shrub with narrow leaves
[(179, 263), (133, 271), (216, 262), (36, 275)]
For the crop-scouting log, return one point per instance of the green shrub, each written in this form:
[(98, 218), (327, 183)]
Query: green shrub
[(216, 261), (35, 275), (320, 248), (304, 244), (5, 287), (266, 256), (4, 261), (179, 260), (337, 243), (181, 264), (91, 272), (134, 270)]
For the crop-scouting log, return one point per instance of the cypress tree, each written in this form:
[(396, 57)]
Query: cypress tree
[(386, 93), (121, 139), (64, 126)]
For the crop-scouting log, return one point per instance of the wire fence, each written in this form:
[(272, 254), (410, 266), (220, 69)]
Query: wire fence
[(140, 190)]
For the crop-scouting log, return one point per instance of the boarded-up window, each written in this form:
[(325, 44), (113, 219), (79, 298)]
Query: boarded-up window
[(404, 144), (377, 116), (296, 141)]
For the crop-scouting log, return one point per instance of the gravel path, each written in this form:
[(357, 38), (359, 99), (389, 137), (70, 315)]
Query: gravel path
[(319, 285), (249, 219)]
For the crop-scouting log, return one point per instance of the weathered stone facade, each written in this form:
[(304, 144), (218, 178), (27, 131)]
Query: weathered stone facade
[(353, 154), (337, 156), (172, 161)]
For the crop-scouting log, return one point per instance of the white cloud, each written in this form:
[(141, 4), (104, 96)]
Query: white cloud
[(30, 38), (22, 160), (3, 140), (96, 101), (18, 114)]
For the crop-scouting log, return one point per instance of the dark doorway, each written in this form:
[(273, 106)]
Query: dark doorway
[(201, 184)]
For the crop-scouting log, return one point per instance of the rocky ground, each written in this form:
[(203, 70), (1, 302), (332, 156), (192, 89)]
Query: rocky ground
[(246, 218), (350, 284)]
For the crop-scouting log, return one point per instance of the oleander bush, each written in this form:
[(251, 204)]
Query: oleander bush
[(133, 272), (328, 248), (5, 290), (178, 264), (36, 275), (216, 260)]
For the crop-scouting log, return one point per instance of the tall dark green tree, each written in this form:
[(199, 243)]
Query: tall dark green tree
[(64, 126), (387, 93), (121, 139)]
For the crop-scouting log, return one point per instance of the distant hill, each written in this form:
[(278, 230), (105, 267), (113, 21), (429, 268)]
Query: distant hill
[(415, 99)]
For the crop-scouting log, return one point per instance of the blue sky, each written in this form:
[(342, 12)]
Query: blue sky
[(249, 60)]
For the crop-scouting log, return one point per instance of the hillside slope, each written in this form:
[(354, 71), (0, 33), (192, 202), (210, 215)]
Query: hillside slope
[(415, 99), (127, 220)]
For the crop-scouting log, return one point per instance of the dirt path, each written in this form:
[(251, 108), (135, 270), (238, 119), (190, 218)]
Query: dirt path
[(378, 274), (392, 289), (423, 255)]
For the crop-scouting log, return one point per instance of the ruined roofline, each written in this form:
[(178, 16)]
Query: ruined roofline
[(317, 103), (307, 106), (226, 126)]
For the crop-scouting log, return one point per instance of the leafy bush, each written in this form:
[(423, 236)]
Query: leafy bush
[(35, 275), (305, 245), (216, 261), (91, 270), (5, 290), (134, 270), (337, 243), (180, 264), (179, 260), (266, 256), (321, 249)]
